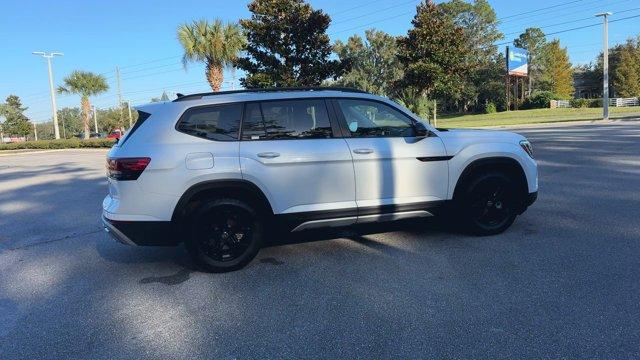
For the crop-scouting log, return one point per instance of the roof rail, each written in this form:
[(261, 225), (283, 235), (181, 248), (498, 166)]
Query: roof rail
[(182, 97)]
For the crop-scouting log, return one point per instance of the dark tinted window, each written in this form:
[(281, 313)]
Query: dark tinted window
[(219, 122), (289, 119), (252, 126), (373, 119)]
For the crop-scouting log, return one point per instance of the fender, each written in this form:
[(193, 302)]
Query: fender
[(492, 160), (236, 184)]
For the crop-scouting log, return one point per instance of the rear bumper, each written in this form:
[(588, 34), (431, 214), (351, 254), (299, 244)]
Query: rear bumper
[(143, 233), (116, 234)]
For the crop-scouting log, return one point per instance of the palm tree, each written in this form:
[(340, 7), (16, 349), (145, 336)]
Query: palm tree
[(214, 43), (85, 84)]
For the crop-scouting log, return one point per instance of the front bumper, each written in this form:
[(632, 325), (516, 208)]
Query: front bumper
[(532, 198)]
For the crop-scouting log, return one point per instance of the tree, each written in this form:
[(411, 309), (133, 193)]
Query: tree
[(71, 121), (557, 76), (374, 66), (16, 123), (110, 119), (85, 84), (626, 71), (214, 43), (432, 52), (481, 58), (534, 41), (287, 45)]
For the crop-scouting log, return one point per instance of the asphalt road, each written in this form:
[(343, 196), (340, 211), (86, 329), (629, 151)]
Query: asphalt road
[(563, 282)]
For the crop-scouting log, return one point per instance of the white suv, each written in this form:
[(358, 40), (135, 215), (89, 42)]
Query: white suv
[(218, 171)]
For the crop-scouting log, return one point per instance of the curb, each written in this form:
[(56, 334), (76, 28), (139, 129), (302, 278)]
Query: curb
[(27, 152)]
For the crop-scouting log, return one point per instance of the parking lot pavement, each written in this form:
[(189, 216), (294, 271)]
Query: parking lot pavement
[(563, 282)]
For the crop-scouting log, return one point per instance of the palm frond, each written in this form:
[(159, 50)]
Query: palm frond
[(214, 42)]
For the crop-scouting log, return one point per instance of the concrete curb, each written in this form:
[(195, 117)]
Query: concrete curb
[(27, 152)]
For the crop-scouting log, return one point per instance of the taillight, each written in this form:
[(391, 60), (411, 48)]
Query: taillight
[(126, 168)]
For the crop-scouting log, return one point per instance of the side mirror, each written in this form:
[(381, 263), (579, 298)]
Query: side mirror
[(420, 130)]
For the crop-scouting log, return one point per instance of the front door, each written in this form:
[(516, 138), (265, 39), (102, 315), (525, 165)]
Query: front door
[(289, 151), (395, 170)]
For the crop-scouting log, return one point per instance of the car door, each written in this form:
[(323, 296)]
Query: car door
[(289, 150), (395, 170)]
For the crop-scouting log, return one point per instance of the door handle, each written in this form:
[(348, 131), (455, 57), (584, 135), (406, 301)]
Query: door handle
[(362, 151), (268, 155)]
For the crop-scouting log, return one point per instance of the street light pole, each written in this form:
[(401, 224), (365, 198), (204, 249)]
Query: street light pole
[(54, 108), (95, 119), (129, 108), (605, 64)]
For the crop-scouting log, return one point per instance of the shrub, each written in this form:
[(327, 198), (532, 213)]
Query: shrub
[(539, 100), (595, 103), (59, 144), (490, 108), (580, 103)]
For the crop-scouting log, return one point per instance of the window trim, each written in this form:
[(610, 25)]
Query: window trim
[(336, 117), (186, 111), (343, 120), (334, 133)]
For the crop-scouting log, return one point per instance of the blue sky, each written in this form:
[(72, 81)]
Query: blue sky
[(139, 36)]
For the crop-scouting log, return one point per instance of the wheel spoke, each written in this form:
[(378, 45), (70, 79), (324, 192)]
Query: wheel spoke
[(228, 234)]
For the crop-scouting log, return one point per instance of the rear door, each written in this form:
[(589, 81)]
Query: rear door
[(395, 170), (289, 150)]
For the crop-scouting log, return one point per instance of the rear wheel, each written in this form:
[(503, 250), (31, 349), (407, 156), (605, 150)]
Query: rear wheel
[(226, 234), (488, 203)]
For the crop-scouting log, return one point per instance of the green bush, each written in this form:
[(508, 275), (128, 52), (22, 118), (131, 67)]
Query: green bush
[(490, 108), (539, 100), (595, 103), (580, 103), (59, 144)]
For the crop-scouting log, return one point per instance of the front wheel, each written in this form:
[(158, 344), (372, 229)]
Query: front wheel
[(488, 203), (226, 234)]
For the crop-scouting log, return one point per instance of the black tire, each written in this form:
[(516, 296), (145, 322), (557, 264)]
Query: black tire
[(225, 235), (488, 203)]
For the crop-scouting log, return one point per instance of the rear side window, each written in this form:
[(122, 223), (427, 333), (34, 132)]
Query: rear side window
[(142, 117), (217, 122), (289, 119)]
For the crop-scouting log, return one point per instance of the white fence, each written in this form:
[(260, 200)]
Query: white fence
[(621, 102), (560, 104), (617, 102)]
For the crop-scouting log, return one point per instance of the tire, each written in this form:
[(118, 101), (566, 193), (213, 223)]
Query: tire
[(224, 235), (488, 203)]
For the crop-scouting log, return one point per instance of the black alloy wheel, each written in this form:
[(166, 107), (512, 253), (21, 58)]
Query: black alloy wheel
[(226, 235), (490, 204)]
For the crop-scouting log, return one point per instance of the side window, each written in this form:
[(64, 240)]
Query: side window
[(252, 126), (366, 118), (288, 119), (218, 122)]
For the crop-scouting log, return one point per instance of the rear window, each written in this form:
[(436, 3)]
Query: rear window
[(290, 119), (217, 122)]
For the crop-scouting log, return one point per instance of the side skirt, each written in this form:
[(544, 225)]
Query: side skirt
[(345, 217)]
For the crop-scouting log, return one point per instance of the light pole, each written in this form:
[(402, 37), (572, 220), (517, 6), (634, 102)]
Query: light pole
[(129, 108), (605, 64), (95, 119), (54, 108)]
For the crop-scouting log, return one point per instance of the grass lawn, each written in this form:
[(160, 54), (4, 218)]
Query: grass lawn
[(534, 116)]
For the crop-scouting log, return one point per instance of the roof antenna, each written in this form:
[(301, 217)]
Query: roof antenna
[(179, 95)]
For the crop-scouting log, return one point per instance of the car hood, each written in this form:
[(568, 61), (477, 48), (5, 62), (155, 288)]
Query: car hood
[(456, 139)]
